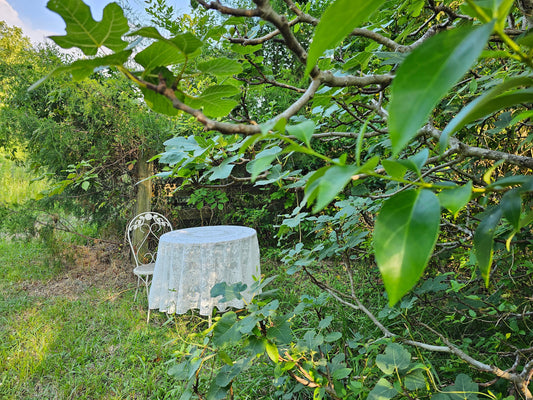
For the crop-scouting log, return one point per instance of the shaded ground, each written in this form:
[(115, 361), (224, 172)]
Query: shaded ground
[(98, 266)]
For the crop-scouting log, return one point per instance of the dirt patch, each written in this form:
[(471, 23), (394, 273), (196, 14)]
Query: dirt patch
[(100, 266)]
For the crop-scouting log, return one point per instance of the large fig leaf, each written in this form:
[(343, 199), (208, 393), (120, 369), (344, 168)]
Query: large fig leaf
[(84, 32), (215, 100)]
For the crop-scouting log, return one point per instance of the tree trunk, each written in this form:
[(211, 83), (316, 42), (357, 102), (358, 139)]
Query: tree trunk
[(143, 201)]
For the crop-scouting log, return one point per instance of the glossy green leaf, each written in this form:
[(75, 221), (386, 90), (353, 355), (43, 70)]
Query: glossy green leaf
[(84, 32), (272, 351), (454, 199), (484, 241), (416, 161), (489, 102), (215, 100), (511, 204), (395, 358), (404, 238), (332, 183), (339, 19), (303, 131), (216, 392), (426, 75), (394, 168), (220, 67)]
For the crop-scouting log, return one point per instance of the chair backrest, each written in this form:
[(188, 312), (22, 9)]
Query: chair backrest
[(143, 234)]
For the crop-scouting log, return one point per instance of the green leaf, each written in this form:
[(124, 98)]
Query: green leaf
[(394, 168), (511, 181), (84, 32), (416, 161), (216, 392), (158, 102), (415, 380), (223, 170), (462, 389), (526, 40), (339, 19), (425, 77), (341, 373), (243, 50), (456, 198), (280, 333), (186, 43), (511, 204), (228, 292), (395, 358), (220, 67), (483, 242), (214, 100), (303, 131), (272, 351), (81, 69), (404, 237), (489, 102), (332, 183), (226, 330), (159, 54), (228, 372), (382, 391), (262, 161)]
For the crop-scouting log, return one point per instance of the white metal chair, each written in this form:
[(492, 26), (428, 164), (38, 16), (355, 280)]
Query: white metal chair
[(143, 234)]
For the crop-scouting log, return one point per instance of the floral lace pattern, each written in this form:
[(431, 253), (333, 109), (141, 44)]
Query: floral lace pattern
[(191, 261)]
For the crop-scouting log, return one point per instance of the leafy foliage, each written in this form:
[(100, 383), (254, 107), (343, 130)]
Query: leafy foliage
[(415, 111)]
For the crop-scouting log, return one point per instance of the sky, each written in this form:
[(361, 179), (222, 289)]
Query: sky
[(38, 22)]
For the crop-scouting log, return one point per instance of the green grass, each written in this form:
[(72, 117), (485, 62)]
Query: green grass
[(16, 181), (91, 345)]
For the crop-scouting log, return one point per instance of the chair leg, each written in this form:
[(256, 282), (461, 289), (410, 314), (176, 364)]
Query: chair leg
[(137, 289), (146, 283)]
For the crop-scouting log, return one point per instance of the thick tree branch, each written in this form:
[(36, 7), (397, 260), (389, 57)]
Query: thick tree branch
[(238, 12)]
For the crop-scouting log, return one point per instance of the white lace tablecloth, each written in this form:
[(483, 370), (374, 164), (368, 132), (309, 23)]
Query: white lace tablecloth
[(191, 261)]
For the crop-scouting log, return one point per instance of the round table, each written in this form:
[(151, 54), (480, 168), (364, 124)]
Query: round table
[(191, 261)]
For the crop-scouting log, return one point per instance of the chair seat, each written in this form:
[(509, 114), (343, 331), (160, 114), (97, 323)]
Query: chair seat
[(145, 269)]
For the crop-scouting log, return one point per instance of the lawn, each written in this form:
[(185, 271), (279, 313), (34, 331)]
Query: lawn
[(74, 332)]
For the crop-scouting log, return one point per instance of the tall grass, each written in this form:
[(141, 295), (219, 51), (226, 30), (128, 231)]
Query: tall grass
[(17, 182)]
